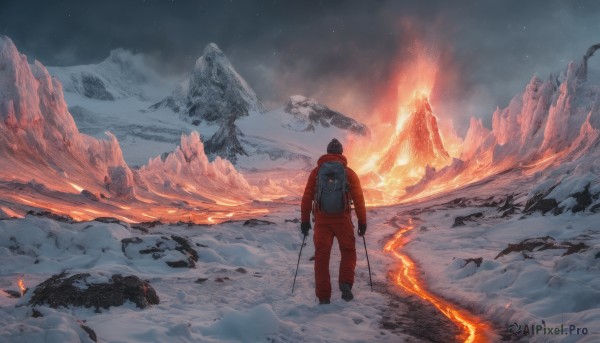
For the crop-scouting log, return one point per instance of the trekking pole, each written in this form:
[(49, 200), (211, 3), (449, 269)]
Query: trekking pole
[(298, 264), (368, 264)]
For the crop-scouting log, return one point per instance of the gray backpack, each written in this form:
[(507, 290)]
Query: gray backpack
[(331, 195)]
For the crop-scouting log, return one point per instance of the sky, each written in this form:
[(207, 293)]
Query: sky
[(343, 53)]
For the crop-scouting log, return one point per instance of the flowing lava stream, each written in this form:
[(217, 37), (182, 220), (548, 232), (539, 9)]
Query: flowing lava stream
[(473, 329)]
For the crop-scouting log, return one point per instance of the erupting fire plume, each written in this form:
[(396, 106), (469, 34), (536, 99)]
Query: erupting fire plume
[(399, 152)]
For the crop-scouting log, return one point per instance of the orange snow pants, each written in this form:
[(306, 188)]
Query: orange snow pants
[(324, 232)]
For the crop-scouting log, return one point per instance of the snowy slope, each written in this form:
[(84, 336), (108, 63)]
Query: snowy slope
[(239, 290), (121, 75), (472, 247)]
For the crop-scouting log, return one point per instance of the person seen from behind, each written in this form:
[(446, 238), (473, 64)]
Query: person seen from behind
[(331, 188)]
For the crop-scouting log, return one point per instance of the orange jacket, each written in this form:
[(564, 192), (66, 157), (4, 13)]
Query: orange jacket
[(356, 194)]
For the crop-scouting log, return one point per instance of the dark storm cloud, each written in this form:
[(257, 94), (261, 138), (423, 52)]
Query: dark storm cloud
[(341, 52)]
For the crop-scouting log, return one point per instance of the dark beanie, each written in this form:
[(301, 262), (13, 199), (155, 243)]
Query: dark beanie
[(335, 147)]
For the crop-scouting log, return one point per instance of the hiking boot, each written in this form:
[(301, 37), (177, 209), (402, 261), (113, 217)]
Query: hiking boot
[(324, 302), (346, 291)]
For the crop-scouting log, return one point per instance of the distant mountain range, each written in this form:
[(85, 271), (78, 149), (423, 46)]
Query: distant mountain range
[(117, 95)]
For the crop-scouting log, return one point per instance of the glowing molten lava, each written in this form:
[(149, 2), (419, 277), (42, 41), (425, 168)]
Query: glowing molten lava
[(21, 285), (473, 329), (399, 158), (406, 136)]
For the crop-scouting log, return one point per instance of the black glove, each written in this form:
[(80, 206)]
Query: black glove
[(304, 227), (362, 228)]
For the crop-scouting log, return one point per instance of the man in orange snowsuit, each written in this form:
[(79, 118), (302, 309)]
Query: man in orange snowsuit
[(339, 225)]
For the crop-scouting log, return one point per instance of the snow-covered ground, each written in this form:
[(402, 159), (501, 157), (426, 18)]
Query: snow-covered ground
[(240, 290), (547, 287), (255, 304)]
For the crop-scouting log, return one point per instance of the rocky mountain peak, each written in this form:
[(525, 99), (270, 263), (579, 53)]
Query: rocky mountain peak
[(309, 113), (418, 141), (215, 93)]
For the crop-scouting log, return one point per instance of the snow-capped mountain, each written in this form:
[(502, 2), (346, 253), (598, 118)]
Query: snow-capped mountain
[(215, 92), (121, 75), (308, 113), (214, 100)]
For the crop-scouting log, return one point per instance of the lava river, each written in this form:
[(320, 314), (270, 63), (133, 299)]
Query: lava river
[(473, 328)]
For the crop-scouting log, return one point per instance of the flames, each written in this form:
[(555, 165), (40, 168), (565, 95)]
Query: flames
[(21, 285), (406, 134)]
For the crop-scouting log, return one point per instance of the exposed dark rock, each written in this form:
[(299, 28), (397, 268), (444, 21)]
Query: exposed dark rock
[(508, 204), (574, 248), (58, 217), (584, 199), (157, 247), (225, 142), (256, 222), (12, 293), (311, 113), (168, 102), (200, 280), (221, 279), (477, 261), (539, 203), (36, 314), (90, 195), (64, 290), (154, 251), (140, 228), (126, 241), (179, 264), (509, 212), (458, 202), (94, 88), (295, 220), (241, 270), (595, 208), (90, 332), (144, 226), (597, 255), (543, 243), (185, 247), (107, 220), (460, 221), (530, 244)]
